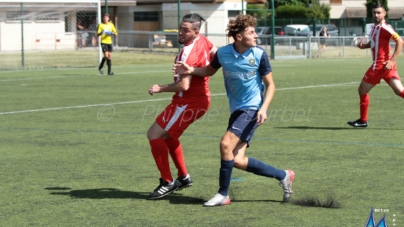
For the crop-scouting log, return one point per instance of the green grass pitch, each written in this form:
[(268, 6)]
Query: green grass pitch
[(74, 150)]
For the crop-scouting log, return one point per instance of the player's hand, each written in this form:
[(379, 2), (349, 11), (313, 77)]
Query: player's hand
[(360, 43), (388, 65), (154, 89), (182, 68), (261, 117)]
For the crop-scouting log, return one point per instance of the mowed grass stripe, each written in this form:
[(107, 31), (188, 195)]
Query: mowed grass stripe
[(162, 99), (216, 138)]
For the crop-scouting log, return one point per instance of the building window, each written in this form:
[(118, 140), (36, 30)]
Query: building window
[(31, 16), (48, 17), (233, 13), (336, 2), (16, 16), (146, 16)]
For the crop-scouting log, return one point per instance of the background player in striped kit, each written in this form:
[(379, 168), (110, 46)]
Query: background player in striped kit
[(384, 65), (190, 102)]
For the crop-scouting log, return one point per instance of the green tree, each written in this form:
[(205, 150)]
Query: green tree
[(318, 10), (278, 3), (371, 3), (260, 11), (291, 11)]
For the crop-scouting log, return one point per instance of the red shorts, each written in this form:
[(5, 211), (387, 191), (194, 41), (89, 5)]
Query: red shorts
[(175, 118), (375, 76)]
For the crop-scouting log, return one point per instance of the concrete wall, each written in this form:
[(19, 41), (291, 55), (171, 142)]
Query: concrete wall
[(37, 35)]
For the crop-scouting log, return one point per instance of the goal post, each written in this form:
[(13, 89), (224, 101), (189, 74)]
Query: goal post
[(36, 34)]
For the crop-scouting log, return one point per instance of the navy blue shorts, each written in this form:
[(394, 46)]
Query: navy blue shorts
[(243, 124)]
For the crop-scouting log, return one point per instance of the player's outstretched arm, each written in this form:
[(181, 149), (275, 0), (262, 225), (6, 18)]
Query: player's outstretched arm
[(213, 52), (361, 44), (183, 68), (181, 85), (269, 94)]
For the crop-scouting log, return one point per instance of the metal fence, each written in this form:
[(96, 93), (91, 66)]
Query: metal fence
[(81, 50), (285, 46), (345, 26)]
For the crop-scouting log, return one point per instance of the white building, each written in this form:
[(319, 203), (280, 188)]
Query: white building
[(357, 9), (56, 25)]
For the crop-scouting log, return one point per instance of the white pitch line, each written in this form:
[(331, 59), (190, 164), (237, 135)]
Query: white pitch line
[(82, 75), (51, 77), (162, 99), (84, 106), (316, 86)]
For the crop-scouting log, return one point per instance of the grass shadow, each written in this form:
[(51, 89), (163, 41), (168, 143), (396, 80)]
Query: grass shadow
[(311, 201), (113, 193)]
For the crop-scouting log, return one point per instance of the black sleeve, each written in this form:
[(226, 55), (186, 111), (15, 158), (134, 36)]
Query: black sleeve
[(215, 62), (265, 66)]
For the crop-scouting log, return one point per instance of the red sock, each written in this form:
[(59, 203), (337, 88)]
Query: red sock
[(402, 94), (160, 153), (175, 148), (364, 106)]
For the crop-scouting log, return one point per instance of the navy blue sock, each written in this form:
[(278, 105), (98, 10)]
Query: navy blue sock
[(226, 168), (257, 167)]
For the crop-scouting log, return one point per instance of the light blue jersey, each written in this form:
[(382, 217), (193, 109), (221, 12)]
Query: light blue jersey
[(243, 75)]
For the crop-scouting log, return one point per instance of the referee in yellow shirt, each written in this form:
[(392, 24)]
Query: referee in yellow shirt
[(106, 29)]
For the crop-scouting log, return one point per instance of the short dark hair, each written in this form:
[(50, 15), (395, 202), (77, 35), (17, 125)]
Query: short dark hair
[(195, 19), (378, 5)]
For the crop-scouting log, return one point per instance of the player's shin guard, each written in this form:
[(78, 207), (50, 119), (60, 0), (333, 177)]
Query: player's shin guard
[(259, 168), (175, 149), (101, 64), (160, 153), (226, 167), (364, 106), (402, 94), (109, 65)]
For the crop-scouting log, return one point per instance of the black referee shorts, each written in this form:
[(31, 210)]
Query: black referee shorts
[(106, 47)]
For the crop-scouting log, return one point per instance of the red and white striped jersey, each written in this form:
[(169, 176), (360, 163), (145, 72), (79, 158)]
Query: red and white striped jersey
[(380, 36), (196, 54)]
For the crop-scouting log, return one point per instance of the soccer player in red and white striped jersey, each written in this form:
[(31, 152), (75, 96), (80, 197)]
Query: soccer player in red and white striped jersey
[(383, 66), (190, 102)]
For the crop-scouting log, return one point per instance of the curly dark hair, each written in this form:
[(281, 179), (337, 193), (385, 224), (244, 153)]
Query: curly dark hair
[(239, 25)]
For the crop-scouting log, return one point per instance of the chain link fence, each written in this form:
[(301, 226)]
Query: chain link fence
[(43, 35)]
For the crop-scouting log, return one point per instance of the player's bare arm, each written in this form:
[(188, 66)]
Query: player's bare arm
[(269, 94), (183, 68), (399, 46), (213, 52), (181, 85), (362, 45)]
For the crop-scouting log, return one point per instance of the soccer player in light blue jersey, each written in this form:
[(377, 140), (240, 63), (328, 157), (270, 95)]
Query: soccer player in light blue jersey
[(250, 89)]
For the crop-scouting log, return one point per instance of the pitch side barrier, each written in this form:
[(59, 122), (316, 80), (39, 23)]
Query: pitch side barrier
[(293, 47)]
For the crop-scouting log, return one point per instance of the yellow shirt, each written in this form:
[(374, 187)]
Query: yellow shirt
[(104, 28)]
